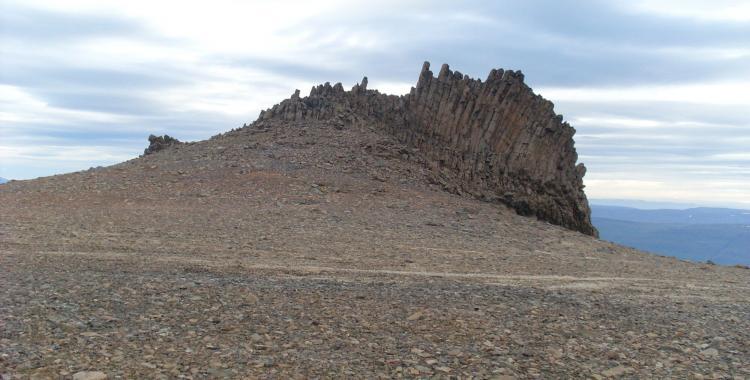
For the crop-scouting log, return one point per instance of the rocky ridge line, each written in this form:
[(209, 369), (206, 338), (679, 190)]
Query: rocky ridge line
[(495, 140)]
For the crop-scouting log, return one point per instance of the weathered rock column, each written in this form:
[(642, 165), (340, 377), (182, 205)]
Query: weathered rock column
[(496, 139)]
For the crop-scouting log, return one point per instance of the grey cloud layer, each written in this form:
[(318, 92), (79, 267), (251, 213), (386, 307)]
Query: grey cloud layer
[(554, 42), (42, 26), (587, 44)]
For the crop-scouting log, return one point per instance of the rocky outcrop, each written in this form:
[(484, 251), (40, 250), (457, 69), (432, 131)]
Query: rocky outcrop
[(495, 140), (157, 143)]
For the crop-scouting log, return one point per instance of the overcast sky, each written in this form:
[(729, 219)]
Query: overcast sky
[(659, 91)]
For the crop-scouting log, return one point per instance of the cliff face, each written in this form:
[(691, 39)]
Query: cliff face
[(495, 140)]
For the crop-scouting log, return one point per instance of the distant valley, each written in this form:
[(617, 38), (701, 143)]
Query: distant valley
[(719, 235)]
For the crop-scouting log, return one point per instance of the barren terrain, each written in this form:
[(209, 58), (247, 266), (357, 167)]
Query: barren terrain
[(288, 250)]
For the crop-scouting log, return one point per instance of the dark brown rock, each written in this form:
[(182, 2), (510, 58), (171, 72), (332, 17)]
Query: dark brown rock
[(157, 143), (495, 140)]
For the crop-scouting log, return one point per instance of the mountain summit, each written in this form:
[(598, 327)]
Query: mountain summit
[(351, 234), (495, 140)]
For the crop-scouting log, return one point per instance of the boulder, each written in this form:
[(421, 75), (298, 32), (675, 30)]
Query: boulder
[(158, 143)]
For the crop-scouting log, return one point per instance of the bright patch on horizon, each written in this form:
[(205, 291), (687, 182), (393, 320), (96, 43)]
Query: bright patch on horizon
[(718, 93), (707, 11)]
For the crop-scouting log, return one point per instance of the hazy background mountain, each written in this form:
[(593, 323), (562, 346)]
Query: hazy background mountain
[(643, 205), (3, 180), (721, 235)]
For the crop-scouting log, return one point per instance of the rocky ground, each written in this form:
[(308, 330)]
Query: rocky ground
[(330, 251)]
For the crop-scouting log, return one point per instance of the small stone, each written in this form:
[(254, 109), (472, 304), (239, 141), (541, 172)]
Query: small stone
[(90, 375), (616, 371), (266, 362), (250, 298), (710, 353), (423, 369), (415, 316), (421, 353)]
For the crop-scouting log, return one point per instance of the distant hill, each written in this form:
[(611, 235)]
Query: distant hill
[(641, 204), (699, 215), (697, 234), (3, 180)]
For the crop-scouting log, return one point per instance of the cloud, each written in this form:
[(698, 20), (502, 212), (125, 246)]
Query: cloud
[(724, 193), (18, 106), (707, 11), (41, 25), (35, 160), (719, 93), (656, 89)]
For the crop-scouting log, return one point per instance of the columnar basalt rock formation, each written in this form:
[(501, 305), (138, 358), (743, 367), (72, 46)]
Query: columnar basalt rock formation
[(495, 140)]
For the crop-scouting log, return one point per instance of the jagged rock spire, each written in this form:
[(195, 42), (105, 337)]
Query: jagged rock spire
[(496, 139)]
